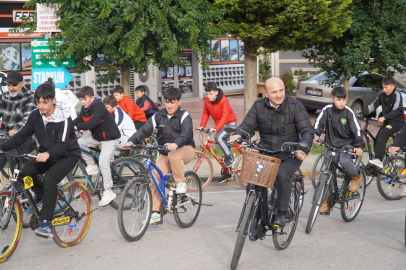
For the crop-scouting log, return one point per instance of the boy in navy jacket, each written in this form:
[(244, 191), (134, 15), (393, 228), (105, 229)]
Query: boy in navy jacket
[(144, 102), (95, 117)]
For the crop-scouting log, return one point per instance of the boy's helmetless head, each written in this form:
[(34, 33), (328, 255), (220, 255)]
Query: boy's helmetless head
[(140, 91), (339, 97), (118, 93), (86, 95)]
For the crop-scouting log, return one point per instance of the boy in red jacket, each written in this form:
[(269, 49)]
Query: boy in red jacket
[(216, 104), (129, 107)]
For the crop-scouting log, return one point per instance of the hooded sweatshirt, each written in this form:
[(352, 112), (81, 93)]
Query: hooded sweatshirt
[(99, 121), (55, 133), (220, 110)]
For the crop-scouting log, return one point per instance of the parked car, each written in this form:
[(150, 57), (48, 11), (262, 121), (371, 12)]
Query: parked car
[(315, 95)]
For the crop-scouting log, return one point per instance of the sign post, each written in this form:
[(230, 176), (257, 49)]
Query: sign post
[(60, 76), (41, 47)]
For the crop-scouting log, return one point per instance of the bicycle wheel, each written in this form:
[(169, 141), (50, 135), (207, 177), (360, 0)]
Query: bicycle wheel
[(129, 169), (10, 233), (390, 187), (243, 230), (71, 224), (281, 239), (188, 205), (318, 167), (353, 200), (134, 210), (237, 172), (202, 166), (317, 202)]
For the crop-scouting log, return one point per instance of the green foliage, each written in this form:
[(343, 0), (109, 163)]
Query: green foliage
[(264, 68), (286, 24), (301, 75), (287, 79), (374, 42), (133, 34)]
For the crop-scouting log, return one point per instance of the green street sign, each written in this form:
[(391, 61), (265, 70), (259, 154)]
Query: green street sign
[(40, 47)]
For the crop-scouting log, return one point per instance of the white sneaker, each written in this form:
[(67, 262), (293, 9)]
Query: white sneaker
[(155, 219), (92, 169), (376, 162), (180, 188), (108, 196)]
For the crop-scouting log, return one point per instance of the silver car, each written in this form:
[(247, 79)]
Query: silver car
[(315, 95)]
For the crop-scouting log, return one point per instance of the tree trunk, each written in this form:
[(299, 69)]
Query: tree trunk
[(347, 82), (125, 80), (250, 80)]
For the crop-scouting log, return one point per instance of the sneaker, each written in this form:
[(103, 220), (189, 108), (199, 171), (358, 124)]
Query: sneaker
[(92, 169), (181, 188), (30, 211), (376, 162), (108, 196), (44, 229), (355, 183), (324, 207), (403, 194), (156, 219), (228, 161)]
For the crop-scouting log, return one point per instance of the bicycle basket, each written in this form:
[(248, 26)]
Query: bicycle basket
[(259, 169)]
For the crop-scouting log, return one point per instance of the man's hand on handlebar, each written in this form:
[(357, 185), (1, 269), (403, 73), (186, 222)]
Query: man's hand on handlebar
[(234, 138), (212, 130), (171, 146), (128, 145), (381, 119), (42, 157), (300, 155), (393, 149), (357, 151)]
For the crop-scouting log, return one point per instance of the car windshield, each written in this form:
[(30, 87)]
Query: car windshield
[(322, 77)]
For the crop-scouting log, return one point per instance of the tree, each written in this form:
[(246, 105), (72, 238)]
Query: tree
[(282, 25), (375, 41), (133, 34)]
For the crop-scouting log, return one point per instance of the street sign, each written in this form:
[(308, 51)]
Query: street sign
[(46, 18), (60, 76), (41, 47)]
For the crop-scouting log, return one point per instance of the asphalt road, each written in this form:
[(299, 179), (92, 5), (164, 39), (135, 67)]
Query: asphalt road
[(374, 240)]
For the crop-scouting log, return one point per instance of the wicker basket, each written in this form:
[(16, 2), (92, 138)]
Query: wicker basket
[(259, 169)]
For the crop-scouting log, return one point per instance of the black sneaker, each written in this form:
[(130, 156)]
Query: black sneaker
[(228, 161), (281, 219)]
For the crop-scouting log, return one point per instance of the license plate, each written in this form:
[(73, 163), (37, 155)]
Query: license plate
[(314, 92), (59, 221)]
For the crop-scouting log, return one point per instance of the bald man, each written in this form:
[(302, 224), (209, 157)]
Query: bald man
[(279, 118)]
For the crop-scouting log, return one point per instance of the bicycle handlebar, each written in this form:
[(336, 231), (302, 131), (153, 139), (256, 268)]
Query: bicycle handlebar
[(17, 156), (346, 149), (162, 148)]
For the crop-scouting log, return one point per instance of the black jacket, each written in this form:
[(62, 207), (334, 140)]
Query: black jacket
[(99, 121), (177, 129), (340, 126), (392, 107), (57, 138), (288, 123), (151, 110), (400, 139)]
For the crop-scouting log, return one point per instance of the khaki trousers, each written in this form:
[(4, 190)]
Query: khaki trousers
[(174, 162)]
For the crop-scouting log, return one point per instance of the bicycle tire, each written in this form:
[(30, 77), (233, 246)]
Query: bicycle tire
[(315, 170), (67, 179), (202, 166), (237, 172), (134, 167), (351, 208), (243, 231), (73, 231), (391, 189), (10, 236), (190, 203), (282, 239), (318, 200), (130, 207)]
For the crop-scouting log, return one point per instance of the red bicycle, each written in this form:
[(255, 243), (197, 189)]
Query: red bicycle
[(202, 165)]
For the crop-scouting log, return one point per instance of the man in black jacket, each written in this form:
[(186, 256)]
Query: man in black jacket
[(95, 117), (393, 117), (279, 119), (59, 151), (175, 130)]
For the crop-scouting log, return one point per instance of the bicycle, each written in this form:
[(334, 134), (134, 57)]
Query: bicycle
[(350, 202), (202, 165), (122, 170), (135, 207), (257, 199), (73, 213)]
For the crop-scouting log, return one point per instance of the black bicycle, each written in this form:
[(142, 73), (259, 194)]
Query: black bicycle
[(350, 202), (73, 212), (258, 200)]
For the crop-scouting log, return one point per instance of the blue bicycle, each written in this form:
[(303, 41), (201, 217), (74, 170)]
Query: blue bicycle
[(135, 206)]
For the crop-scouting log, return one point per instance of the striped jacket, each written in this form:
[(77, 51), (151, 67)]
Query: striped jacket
[(55, 135), (15, 111)]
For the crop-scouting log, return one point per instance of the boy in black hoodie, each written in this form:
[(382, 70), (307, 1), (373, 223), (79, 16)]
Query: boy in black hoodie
[(95, 117), (341, 128), (144, 102), (58, 147)]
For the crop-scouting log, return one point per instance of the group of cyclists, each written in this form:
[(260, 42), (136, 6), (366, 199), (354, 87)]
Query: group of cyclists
[(116, 124)]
